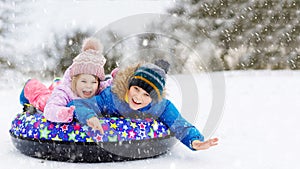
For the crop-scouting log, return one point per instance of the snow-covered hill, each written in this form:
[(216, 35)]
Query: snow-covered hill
[(259, 128)]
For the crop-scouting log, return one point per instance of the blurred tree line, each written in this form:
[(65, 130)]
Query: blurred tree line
[(8, 14), (258, 34)]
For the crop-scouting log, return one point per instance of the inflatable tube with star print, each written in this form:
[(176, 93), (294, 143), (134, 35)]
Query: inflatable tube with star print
[(124, 139)]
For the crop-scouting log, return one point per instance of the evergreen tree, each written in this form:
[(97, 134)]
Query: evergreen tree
[(153, 46), (62, 52), (114, 49), (9, 12), (255, 34)]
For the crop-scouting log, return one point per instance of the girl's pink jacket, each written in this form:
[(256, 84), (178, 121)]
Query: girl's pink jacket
[(62, 95)]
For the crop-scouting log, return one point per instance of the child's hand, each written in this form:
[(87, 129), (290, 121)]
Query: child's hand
[(199, 145), (95, 124), (66, 114)]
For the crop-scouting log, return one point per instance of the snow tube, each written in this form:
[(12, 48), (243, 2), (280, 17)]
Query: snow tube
[(124, 139)]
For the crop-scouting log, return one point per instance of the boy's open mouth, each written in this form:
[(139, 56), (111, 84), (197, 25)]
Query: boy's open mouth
[(135, 101)]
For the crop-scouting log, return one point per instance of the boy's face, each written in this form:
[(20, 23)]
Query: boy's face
[(138, 98), (86, 86)]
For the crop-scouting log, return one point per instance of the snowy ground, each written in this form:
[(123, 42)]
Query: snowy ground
[(259, 129)]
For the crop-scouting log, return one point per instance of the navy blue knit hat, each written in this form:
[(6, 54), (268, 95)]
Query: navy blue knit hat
[(151, 78)]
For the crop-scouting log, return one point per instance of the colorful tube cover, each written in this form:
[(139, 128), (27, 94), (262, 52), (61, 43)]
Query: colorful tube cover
[(36, 127)]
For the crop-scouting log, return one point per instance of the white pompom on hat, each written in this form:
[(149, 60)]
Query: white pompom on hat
[(90, 60), (92, 44)]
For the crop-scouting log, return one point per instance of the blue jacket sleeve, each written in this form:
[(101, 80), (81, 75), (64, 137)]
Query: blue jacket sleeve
[(183, 130), (85, 109)]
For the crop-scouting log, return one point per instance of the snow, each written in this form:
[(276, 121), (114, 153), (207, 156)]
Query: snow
[(259, 128), (259, 125)]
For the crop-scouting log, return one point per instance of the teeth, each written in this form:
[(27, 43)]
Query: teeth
[(136, 101), (87, 91)]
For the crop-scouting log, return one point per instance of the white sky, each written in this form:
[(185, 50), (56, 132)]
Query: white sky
[(44, 17)]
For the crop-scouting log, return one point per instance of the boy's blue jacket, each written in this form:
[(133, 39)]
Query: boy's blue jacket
[(108, 103)]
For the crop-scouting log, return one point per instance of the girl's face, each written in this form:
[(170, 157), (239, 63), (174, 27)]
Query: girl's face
[(138, 98), (86, 86)]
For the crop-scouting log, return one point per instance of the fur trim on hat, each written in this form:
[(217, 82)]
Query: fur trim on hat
[(121, 81)]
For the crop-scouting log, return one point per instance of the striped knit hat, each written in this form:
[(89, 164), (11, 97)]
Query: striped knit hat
[(151, 78)]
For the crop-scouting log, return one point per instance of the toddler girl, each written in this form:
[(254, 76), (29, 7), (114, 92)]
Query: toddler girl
[(83, 79)]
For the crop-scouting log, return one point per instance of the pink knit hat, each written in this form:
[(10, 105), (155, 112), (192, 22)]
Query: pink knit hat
[(90, 60)]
